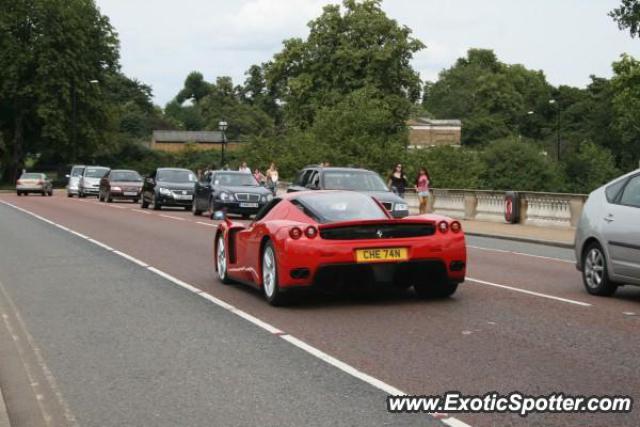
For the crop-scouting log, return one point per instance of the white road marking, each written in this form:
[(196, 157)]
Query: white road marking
[(525, 291), (172, 217), (141, 211), (116, 206), (207, 224), (521, 253), (380, 385)]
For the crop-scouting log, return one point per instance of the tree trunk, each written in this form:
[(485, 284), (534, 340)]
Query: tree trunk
[(16, 163)]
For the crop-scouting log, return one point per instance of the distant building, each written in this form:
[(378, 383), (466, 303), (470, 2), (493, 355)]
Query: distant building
[(424, 133), (175, 140)]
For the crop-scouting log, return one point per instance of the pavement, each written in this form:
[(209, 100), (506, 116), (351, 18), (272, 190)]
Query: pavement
[(552, 236), (110, 332)]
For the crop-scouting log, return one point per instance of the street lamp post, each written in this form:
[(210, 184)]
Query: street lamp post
[(222, 126), (553, 102)]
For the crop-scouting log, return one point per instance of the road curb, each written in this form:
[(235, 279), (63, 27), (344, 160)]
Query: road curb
[(4, 415), (554, 243)]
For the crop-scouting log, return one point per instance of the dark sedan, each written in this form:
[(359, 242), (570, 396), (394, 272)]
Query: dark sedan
[(233, 192), (120, 184), (168, 187), (352, 179)]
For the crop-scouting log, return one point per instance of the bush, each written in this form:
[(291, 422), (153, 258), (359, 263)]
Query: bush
[(519, 165), (448, 167), (589, 167)]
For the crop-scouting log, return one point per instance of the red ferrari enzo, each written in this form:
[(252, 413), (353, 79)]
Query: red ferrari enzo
[(339, 239)]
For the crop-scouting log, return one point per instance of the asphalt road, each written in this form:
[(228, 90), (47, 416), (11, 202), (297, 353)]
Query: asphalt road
[(123, 343)]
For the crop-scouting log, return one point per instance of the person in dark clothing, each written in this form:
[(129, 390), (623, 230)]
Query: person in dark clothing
[(398, 181)]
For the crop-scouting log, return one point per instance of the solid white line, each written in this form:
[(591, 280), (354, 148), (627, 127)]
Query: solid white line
[(116, 206), (132, 259), (524, 291), (207, 224), (521, 253), (387, 388), (83, 236), (172, 217), (102, 245)]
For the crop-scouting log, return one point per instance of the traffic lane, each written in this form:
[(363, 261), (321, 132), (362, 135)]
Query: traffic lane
[(551, 277), (392, 338), (499, 245), (126, 347)]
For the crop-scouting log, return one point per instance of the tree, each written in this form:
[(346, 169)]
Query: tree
[(345, 52), (589, 167), (50, 52), (628, 16), (626, 106), (491, 98)]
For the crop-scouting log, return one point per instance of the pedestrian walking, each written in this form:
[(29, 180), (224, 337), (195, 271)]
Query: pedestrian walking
[(398, 181), (259, 176), (244, 168), (422, 188), (272, 178)]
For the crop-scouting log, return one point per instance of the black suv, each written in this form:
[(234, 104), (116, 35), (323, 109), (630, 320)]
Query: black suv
[(233, 192), (168, 187), (360, 180)]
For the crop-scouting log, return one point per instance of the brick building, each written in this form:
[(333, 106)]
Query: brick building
[(424, 133)]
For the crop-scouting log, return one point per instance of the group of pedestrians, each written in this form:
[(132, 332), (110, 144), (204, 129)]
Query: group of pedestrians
[(398, 183), (269, 179)]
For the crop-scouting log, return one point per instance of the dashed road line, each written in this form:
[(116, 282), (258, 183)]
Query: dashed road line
[(172, 217)]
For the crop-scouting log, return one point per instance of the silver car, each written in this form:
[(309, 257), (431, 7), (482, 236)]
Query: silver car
[(89, 184), (608, 236), (34, 183), (74, 180)]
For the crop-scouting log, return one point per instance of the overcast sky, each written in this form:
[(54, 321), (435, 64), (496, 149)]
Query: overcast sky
[(163, 40)]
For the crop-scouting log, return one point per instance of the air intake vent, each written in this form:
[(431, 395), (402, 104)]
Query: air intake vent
[(382, 231)]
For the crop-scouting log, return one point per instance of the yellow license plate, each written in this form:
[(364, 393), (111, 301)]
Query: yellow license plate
[(382, 254)]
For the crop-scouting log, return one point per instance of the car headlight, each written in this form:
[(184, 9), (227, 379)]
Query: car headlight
[(165, 191), (224, 196), (267, 198), (400, 207), (116, 189)]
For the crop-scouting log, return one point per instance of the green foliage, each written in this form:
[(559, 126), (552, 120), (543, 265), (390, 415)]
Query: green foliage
[(627, 15), (588, 168), (448, 167), (345, 52), (626, 106), (490, 97), (50, 51), (509, 164)]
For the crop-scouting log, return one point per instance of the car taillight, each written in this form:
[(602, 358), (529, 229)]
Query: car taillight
[(295, 233), (443, 226), (455, 227), (311, 232)]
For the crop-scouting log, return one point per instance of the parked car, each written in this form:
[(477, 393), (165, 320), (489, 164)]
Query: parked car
[(74, 179), (352, 179), (233, 192), (34, 183), (89, 184), (168, 187), (607, 242), (339, 238), (121, 184)]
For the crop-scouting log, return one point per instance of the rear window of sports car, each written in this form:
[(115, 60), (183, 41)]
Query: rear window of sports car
[(334, 207)]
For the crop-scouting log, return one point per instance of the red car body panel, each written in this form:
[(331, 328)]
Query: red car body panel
[(245, 243)]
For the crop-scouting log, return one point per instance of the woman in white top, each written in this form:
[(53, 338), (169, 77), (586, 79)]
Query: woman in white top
[(272, 178)]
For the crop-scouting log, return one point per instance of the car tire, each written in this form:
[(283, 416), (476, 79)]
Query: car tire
[(439, 289), (595, 274), (156, 205), (81, 195), (144, 204), (136, 201), (69, 195), (43, 194), (222, 260), (269, 267), (18, 193), (50, 193)]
